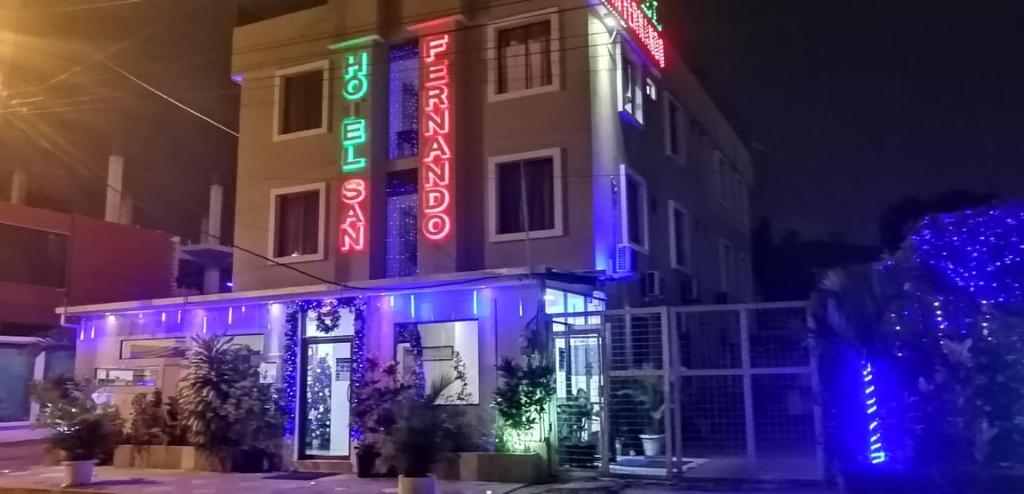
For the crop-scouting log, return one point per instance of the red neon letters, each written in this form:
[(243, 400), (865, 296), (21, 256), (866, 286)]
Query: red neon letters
[(352, 234), (435, 178), (634, 17)]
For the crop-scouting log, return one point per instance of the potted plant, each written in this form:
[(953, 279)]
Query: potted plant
[(372, 411), (83, 430), (230, 417), (422, 434), (155, 437), (648, 393)]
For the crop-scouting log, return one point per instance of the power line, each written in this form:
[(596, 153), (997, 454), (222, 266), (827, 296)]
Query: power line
[(170, 99)]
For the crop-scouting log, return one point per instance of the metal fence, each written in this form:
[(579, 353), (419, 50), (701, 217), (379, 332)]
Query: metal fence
[(709, 392)]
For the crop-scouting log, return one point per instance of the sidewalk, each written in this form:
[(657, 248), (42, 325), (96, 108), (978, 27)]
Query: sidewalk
[(111, 480)]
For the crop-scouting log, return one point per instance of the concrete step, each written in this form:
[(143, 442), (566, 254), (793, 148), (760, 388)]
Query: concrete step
[(325, 466), (602, 486)]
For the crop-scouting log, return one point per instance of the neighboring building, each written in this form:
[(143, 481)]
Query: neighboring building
[(443, 178), (50, 260), (76, 125)]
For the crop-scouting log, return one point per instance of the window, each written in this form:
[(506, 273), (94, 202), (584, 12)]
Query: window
[(634, 208), (524, 55), (297, 223), (741, 196), (402, 232), (722, 180), (675, 129), (447, 352), (127, 377), (32, 257), (651, 89), (404, 100), (631, 89), (679, 236), (525, 198), (744, 275), (300, 103), (727, 267), (154, 348), (17, 367)]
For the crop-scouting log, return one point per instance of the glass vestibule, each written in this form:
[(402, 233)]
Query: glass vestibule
[(326, 389)]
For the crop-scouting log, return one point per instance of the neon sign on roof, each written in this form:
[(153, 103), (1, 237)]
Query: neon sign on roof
[(435, 177), (352, 228), (642, 25)]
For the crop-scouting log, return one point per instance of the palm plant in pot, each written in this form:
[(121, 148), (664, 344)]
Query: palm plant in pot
[(649, 395), (422, 434), (83, 430)]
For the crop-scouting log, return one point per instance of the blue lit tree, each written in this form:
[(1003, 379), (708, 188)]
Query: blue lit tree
[(319, 399), (941, 323)]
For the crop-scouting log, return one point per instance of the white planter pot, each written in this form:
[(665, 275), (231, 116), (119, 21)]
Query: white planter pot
[(417, 485), (653, 445), (78, 472)]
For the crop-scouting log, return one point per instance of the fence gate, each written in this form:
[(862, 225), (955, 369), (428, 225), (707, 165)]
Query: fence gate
[(725, 391)]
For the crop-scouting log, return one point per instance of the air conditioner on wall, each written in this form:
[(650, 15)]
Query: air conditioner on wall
[(652, 284)]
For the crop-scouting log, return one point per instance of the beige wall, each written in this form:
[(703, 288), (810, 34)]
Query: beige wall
[(580, 119)]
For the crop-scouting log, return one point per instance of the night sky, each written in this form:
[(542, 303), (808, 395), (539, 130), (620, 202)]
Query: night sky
[(857, 103)]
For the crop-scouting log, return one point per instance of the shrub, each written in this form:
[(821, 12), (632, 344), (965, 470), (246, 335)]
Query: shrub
[(521, 400), (82, 429), (224, 408)]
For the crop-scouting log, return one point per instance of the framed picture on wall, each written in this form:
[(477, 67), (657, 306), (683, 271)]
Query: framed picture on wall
[(154, 348)]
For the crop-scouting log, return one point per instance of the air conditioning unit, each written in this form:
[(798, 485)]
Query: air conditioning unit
[(623, 259), (652, 284)]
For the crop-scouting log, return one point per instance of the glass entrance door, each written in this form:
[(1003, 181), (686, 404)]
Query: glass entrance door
[(327, 380)]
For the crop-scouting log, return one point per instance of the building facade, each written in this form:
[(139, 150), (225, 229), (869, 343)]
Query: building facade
[(431, 181), (50, 260), (395, 143)]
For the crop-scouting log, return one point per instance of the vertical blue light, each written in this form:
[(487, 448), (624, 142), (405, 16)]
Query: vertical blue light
[(476, 305), (875, 451), (391, 301), (520, 307), (412, 306), (92, 332)]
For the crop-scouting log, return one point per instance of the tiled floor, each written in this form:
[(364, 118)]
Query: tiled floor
[(107, 479)]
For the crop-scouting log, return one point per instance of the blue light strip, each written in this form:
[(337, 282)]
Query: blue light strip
[(875, 451)]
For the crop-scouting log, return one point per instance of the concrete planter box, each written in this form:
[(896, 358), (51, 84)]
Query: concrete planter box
[(165, 458), (525, 468)]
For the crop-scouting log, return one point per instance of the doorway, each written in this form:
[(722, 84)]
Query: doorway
[(326, 398)]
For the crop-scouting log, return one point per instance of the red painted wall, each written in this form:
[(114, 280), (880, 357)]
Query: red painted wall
[(106, 262)]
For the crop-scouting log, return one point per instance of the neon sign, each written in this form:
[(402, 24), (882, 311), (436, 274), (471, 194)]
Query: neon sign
[(353, 135), (435, 177), (357, 80), (641, 24), (352, 228), (651, 9), (352, 232)]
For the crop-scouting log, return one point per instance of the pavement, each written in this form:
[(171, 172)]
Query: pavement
[(117, 481)]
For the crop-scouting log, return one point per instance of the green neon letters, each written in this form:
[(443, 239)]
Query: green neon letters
[(357, 82), (353, 135)]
